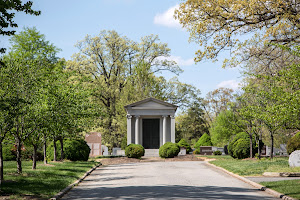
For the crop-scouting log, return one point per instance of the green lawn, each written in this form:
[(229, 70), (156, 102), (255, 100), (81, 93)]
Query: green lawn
[(45, 181), (254, 167), (258, 167), (290, 188)]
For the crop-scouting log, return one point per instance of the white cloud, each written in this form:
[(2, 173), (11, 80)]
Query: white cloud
[(179, 60), (233, 84), (166, 18)]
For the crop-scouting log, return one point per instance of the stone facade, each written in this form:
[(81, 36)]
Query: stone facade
[(93, 139), (151, 123)]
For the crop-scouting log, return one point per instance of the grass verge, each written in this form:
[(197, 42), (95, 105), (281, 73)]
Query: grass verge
[(254, 167), (289, 187), (44, 182)]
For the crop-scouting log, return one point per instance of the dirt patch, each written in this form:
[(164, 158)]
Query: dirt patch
[(121, 160)]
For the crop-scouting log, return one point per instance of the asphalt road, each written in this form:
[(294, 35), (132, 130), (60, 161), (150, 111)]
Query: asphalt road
[(163, 180)]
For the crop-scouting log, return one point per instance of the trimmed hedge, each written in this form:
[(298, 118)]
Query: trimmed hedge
[(183, 143), (8, 153), (134, 151), (169, 150), (294, 143), (74, 150), (204, 140)]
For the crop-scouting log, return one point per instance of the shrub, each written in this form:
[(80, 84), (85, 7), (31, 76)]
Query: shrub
[(74, 150), (197, 151), (294, 143), (169, 150), (239, 147), (8, 153), (134, 151), (183, 143), (204, 140), (217, 153)]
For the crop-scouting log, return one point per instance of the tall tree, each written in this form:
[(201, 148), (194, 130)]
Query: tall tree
[(218, 25), (30, 60), (7, 10), (109, 61)]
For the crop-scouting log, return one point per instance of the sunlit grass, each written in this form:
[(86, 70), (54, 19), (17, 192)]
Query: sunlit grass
[(45, 181), (290, 187)]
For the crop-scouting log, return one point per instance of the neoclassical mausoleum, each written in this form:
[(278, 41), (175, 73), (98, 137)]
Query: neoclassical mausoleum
[(151, 123)]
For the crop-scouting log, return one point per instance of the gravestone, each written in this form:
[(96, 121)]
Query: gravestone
[(104, 150), (182, 151), (294, 160), (115, 149), (206, 150)]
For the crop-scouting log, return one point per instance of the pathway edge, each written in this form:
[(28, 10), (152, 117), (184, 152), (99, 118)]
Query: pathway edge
[(254, 184), (69, 187)]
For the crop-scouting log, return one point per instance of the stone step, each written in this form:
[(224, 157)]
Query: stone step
[(151, 153)]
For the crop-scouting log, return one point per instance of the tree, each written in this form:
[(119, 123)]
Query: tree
[(7, 15), (27, 65), (224, 128), (217, 101), (204, 140), (108, 62), (191, 124), (219, 25)]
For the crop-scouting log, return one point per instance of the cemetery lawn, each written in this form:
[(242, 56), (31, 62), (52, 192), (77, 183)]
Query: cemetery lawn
[(290, 187), (42, 183), (253, 167)]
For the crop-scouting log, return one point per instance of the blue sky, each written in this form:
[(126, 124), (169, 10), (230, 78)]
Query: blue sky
[(64, 22)]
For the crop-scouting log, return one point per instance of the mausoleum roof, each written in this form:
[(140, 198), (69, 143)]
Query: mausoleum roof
[(151, 99)]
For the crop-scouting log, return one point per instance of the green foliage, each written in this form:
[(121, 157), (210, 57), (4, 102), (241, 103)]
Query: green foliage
[(74, 150), (134, 151), (197, 151), (124, 143), (8, 153), (223, 128), (294, 143), (169, 150), (183, 143), (217, 153), (204, 140), (239, 146), (191, 124)]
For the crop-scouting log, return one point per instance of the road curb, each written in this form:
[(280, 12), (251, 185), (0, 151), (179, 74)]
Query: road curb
[(256, 185), (69, 187)]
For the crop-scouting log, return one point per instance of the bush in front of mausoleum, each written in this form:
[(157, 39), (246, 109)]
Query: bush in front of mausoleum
[(183, 143), (134, 151), (169, 150), (239, 147)]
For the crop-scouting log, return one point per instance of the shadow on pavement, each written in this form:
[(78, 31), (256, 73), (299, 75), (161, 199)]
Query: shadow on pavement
[(165, 192)]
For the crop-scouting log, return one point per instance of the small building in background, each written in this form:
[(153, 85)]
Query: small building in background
[(93, 139)]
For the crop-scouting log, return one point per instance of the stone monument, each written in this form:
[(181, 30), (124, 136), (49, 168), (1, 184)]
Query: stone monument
[(294, 160)]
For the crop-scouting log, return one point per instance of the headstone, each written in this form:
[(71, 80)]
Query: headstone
[(104, 150), (294, 160), (114, 151), (264, 151), (206, 150), (120, 152), (182, 151)]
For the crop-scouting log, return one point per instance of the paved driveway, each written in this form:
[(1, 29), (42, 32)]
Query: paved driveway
[(163, 180)]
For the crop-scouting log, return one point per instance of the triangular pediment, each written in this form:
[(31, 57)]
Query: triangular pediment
[(151, 103)]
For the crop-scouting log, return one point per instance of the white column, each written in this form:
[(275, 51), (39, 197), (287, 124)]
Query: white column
[(137, 129), (129, 140), (172, 128), (164, 129)]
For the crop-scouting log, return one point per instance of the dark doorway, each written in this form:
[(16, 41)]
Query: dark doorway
[(151, 133)]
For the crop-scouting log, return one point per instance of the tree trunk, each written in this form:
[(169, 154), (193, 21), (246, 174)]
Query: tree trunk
[(34, 157), (54, 148), (45, 151), (251, 146), (1, 164), (272, 145), (62, 154), (19, 155)]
